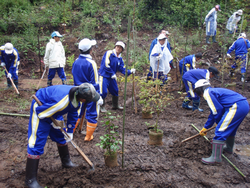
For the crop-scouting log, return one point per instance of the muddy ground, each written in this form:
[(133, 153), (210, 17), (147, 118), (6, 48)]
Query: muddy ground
[(170, 165)]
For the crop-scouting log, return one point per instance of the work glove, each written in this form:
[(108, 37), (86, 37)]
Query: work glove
[(114, 77), (55, 127), (202, 132), (159, 57), (228, 55), (70, 137), (3, 64), (132, 71), (100, 101), (9, 75), (204, 23)]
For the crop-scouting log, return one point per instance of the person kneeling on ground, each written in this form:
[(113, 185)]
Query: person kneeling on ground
[(228, 110), (56, 101)]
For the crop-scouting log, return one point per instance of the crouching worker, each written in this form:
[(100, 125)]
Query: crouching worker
[(228, 109), (56, 101)]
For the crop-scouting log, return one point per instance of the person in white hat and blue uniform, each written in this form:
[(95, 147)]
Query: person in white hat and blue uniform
[(55, 58)]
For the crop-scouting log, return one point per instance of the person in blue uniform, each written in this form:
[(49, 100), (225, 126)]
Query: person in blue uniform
[(154, 42), (111, 63), (84, 70), (240, 46), (227, 109), (10, 59), (189, 62), (189, 79), (56, 101), (211, 23)]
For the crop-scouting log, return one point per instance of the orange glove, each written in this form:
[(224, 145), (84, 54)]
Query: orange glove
[(202, 132)]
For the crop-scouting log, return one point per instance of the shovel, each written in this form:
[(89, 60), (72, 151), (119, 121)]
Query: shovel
[(12, 82), (41, 79), (197, 135), (67, 136)]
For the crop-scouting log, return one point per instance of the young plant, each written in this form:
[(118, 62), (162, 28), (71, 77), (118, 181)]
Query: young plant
[(110, 141)]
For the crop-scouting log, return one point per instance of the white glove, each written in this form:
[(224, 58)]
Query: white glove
[(114, 77), (132, 71), (228, 55), (3, 64), (55, 127), (204, 23), (70, 137), (9, 75), (159, 57), (100, 101)]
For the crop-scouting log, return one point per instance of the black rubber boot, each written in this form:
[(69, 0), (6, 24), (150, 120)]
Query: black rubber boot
[(185, 104), (64, 82), (196, 104), (65, 158), (31, 173), (103, 110), (16, 83), (9, 85), (214, 41), (207, 39), (229, 145), (115, 104), (49, 83)]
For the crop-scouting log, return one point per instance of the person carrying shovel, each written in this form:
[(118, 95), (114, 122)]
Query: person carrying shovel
[(10, 60), (55, 102), (84, 70), (227, 109), (189, 79)]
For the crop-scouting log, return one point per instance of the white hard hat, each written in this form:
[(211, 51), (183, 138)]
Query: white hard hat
[(120, 43), (8, 48), (85, 44), (161, 36), (240, 12), (201, 82), (243, 35)]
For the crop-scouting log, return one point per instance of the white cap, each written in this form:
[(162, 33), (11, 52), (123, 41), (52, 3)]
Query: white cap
[(120, 43), (161, 36), (240, 12), (167, 33), (242, 35), (56, 34), (201, 82), (8, 48), (85, 44)]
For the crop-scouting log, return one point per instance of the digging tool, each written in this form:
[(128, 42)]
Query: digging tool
[(67, 136), (41, 79), (82, 119), (197, 135), (222, 154), (12, 82)]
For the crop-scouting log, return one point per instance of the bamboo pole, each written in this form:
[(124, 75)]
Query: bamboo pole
[(222, 154), (241, 23), (125, 90), (13, 114), (134, 104)]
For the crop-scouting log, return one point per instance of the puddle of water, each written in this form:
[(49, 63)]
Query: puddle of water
[(242, 150)]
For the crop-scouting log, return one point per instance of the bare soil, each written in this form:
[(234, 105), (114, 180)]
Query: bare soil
[(171, 165)]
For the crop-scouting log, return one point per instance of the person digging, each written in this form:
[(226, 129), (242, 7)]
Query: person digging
[(228, 110), (56, 101)]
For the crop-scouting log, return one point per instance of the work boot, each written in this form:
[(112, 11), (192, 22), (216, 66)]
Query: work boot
[(65, 158), (90, 130), (49, 83), (16, 83), (103, 110), (9, 84), (31, 173), (64, 82), (229, 145), (214, 41), (217, 148), (115, 104), (207, 39), (196, 104), (185, 103)]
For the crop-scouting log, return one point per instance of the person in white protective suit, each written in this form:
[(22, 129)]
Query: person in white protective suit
[(233, 21)]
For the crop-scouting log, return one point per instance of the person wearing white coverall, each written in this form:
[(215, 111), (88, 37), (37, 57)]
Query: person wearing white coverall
[(211, 23), (55, 58), (233, 21), (56, 101), (160, 55)]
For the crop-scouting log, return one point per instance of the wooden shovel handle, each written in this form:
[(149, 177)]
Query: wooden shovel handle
[(12, 82), (190, 138), (72, 142)]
